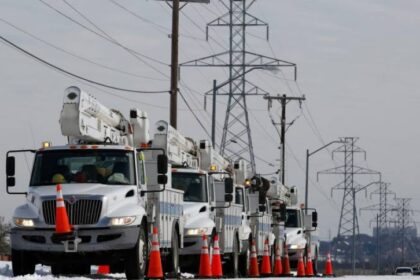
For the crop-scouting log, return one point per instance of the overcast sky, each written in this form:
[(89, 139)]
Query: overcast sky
[(358, 65)]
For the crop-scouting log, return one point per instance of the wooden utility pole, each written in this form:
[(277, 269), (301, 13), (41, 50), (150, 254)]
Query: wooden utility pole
[(283, 99), (174, 64)]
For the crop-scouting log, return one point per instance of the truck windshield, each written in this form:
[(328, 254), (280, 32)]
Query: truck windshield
[(109, 167), (292, 218), (193, 184)]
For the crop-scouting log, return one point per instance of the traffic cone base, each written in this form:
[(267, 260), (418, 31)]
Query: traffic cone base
[(205, 267), (155, 262), (266, 262), (253, 262), (216, 261)]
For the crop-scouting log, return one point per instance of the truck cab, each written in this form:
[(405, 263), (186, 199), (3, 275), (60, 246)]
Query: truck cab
[(109, 187), (300, 229)]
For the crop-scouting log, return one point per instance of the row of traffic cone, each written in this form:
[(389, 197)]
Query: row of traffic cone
[(282, 265), (208, 268)]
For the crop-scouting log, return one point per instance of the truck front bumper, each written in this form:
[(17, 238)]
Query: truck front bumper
[(192, 245), (92, 239)]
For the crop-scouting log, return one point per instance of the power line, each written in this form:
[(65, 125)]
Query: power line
[(193, 113), (78, 56), (134, 53), (38, 59)]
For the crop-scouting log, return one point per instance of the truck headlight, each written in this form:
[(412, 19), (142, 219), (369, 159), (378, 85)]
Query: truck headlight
[(296, 246), (122, 221), (22, 222), (196, 231)]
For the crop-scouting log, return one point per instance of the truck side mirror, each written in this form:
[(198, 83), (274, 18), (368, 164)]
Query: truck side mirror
[(11, 181), (162, 164), (228, 185), (315, 219), (228, 197), (162, 179), (283, 212), (10, 166), (262, 208)]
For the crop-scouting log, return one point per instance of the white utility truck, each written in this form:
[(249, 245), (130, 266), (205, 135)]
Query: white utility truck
[(206, 180), (300, 232), (111, 201)]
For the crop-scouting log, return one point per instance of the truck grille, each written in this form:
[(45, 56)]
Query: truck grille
[(82, 212)]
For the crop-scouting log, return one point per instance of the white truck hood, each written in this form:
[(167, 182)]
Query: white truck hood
[(82, 189), (295, 236), (117, 199), (196, 219)]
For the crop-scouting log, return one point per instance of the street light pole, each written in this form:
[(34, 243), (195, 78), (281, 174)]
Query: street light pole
[(308, 154)]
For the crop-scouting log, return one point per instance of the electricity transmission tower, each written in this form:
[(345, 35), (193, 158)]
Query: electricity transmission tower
[(403, 222), (236, 139), (348, 224), (383, 208)]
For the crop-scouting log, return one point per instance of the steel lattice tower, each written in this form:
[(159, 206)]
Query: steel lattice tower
[(383, 208), (348, 224), (236, 141)]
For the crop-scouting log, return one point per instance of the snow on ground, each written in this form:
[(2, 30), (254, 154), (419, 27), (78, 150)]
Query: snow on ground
[(43, 273)]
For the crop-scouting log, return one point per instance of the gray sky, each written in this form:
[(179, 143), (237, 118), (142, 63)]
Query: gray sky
[(358, 64)]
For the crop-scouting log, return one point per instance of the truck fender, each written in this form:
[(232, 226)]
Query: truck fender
[(244, 232), (176, 227), (271, 238), (25, 211), (130, 210)]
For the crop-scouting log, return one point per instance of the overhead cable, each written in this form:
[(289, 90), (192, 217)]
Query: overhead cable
[(38, 59), (134, 53)]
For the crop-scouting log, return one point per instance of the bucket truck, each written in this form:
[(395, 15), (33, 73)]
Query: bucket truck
[(292, 224), (205, 177), (115, 189)]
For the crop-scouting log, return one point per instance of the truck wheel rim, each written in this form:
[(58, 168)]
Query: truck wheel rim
[(142, 253)]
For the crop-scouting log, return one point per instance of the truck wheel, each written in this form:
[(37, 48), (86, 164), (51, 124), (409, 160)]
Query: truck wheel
[(315, 263), (22, 263), (233, 263), (136, 258), (244, 261), (172, 260)]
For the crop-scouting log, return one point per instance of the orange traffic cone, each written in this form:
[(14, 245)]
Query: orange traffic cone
[(103, 269), (216, 261), (62, 225), (253, 262), (300, 266), (328, 267), (309, 266), (277, 262), (285, 261), (266, 262), (205, 268), (155, 262), (63, 229)]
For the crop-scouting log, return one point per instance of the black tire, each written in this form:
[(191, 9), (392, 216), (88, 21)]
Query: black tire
[(315, 263), (22, 263), (117, 267), (244, 261), (172, 260), (137, 258), (232, 266)]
